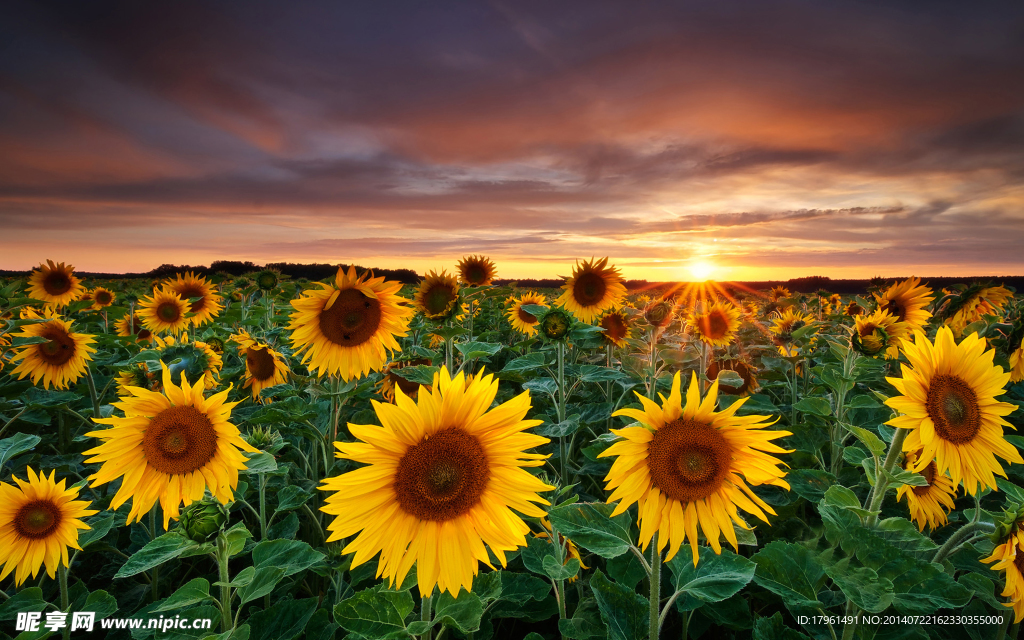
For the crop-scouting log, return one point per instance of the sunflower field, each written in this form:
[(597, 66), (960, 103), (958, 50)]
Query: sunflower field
[(260, 457)]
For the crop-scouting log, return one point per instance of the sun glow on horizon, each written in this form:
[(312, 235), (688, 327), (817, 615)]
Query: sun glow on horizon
[(701, 270)]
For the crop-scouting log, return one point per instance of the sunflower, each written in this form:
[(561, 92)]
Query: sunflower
[(135, 376), (1017, 363), (523, 322), (391, 380), (442, 477), (659, 313), (347, 328), (267, 280), (102, 298), (39, 520), (131, 324), (878, 334), (170, 447), (641, 301), (164, 312), (835, 300), (741, 368), (55, 284), (778, 293), (1009, 556), (617, 329), (195, 358), (948, 402), (682, 465), (59, 361), (207, 307), (853, 309), (571, 550), (929, 504), (907, 301), (977, 302), (717, 324), (476, 271), (437, 297), (555, 324), (593, 287), (784, 324), (264, 367)]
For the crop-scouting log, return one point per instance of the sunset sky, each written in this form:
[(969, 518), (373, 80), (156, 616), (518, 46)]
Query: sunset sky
[(739, 140)]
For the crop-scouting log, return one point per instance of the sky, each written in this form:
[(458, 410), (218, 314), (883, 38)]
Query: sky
[(684, 140)]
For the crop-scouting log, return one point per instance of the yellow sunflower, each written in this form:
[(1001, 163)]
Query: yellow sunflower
[(164, 312), (784, 323), (442, 477), (854, 309), (129, 325), (102, 298), (264, 367), (593, 287), (135, 376), (59, 361), (437, 297), (717, 324), (39, 520), (928, 505), (475, 271), (55, 284), (907, 301), (197, 358), (391, 380), (690, 465), (617, 328), (981, 302), (877, 334), (207, 307), (1017, 363), (778, 293), (948, 402), (347, 328), (1009, 557), (525, 323), (170, 447), (741, 368)]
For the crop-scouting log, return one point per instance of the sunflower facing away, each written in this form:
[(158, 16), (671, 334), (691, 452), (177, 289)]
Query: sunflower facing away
[(39, 520), (476, 271), (907, 301), (170, 447), (878, 334), (976, 302), (1017, 363), (437, 296), (207, 307), (129, 325), (195, 359), (778, 293), (928, 505), (102, 298), (742, 369), (717, 324), (686, 465), (137, 375), (593, 287), (1009, 557), (853, 309), (347, 328), (784, 323), (164, 312), (391, 380), (264, 367), (59, 361), (55, 284), (442, 477), (948, 402), (523, 322), (616, 327)]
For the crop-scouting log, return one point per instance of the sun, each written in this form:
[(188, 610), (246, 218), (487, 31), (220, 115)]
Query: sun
[(701, 270)]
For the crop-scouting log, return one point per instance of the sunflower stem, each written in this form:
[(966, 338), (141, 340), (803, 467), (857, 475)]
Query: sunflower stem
[(62, 577), (877, 495), (92, 391), (962, 534), (560, 349), (155, 573), (427, 614), (11, 421), (263, 506), (225, 591), (62, 433), (655, 600)]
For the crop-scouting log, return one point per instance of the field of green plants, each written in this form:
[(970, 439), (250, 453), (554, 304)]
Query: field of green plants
[(355, 458)]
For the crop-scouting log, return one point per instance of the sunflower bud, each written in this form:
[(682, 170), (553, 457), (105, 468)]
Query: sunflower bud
[(659, 313), (203, 520), (870, 343), (265, 439), (267, 280), (215, 343), (555, 324)]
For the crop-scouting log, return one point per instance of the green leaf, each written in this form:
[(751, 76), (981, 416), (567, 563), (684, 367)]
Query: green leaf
[(863, 402), (282, 621), (840, 496), (810, 484), (263, 582), (583, 624), (861, 585), (292, 497), (542, 385), (591, 526), (983, 588), (791, 572), (27, 599), (236, 537), (16, 445), (774, 628), (870, 440), (241, 579), (817, 406), (566, 427), (190, 593), (156, 552), (462, 613), (522, 596), (536, 552), (240, 632), (558, 571), (450, 332), (419, 373), (596, 373), (627, 570), (100, 527), (292, 555), (470, 350), (729, 378), (101, 603), (902, 533), (260, 463), (529, 362), (715, 578), (375, 613), (623, 611)]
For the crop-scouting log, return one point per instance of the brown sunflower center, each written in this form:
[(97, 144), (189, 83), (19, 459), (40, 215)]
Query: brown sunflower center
[(442, 477), (1019, 562), (260, 362), (179, 440), (475, 274), (168, 311), (143, 333), (528, 318), (589, 289), (352, 319), (102, 297), (688, 460), (614, 327), (438, 298), (896, 309), (59, 346), (929, 475), (37, 520), (953, 407), (193, 291), (738, 366), (56, 283), (715, 325)]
